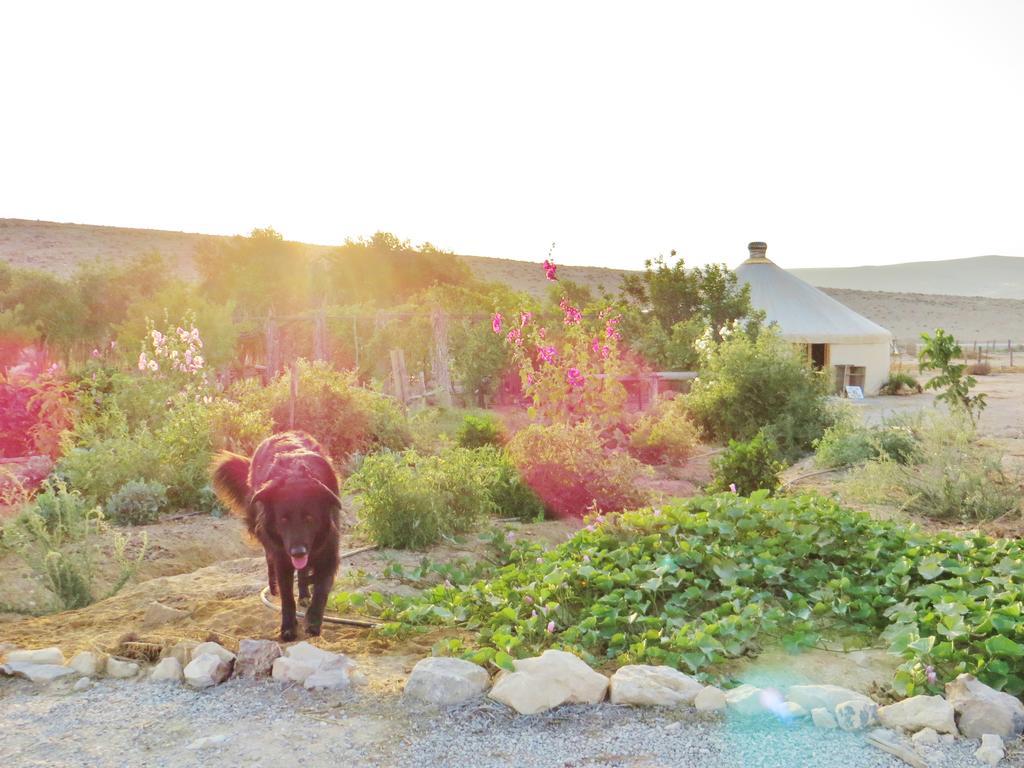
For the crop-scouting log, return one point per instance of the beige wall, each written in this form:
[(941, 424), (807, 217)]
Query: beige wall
[(874, 357)]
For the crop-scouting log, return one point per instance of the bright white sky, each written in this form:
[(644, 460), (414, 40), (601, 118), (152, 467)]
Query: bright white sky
[(862, 132)]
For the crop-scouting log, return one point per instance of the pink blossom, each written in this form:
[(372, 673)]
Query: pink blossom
[(549, 269), (515, 336), (732, 487), (572, 314), (551, 627), (95, 353), (524, 318), (153, 365), (496, 322), (929, 673), (542, 333), (547, 354), (143, 362), (533, 614), (574, 377)]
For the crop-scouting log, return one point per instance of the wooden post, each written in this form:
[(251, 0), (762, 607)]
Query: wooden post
[(399, 379), (653, 391), (442, 374), (272, 348), (320, 335), (293, 394)]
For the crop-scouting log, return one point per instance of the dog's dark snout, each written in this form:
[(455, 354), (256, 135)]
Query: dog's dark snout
[(298, 551)]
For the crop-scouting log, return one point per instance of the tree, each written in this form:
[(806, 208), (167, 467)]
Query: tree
[(938, 354)]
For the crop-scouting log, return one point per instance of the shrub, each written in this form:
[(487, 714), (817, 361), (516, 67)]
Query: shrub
[(952, 478), (898, 383), (99, 459), (572, 472), (664, 436), (409, 501), (847, 443), (938, 354), (705, 580), (331, 407), (507, 489), (477, 431), (750, 466), (58, 542), (747, 386), (34, 412), (237, 426), (137, 503), (979, 369)]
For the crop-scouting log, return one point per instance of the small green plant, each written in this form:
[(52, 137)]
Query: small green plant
[(572, 472), (506, 487), (137, 503), (664, 436), (938, 354), (478, 431), (747, 467), (898, 383), (61, 547), (848, 443)]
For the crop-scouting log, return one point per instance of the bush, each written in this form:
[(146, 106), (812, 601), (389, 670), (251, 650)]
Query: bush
[(952, 478), (847, 443), (478, 431), (664, 436), (979, 369), (706, 580), (409, 501), (572, 472), (747, 386), (344, 417), (237, 426), (749, 466), (899, 383), (54, 541), (137, 503), (507, 489)]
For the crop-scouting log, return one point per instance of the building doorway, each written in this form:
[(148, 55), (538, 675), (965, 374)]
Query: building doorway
[(819, 356)]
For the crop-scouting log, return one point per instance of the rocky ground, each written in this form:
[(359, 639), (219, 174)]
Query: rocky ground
[(262, 723)]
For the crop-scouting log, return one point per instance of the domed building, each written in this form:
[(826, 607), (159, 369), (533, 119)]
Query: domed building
[(836, 338)]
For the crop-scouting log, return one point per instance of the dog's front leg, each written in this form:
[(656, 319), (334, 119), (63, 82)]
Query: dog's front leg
[(285, 573), (322, 583)]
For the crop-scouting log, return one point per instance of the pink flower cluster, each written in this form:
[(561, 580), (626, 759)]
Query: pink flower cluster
[(550, 269), (574, 378), (181, 355), (547, 354), (496, 319), (572, 314)]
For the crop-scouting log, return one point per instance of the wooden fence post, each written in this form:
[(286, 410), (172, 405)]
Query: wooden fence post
[(320, 335), (272, 347), (399, 379), (442, 374)]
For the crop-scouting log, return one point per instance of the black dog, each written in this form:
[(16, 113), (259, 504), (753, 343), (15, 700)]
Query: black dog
[(288, 494)]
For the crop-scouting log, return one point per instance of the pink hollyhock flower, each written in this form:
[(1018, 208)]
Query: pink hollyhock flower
[(547, 354), (515, 336), (524, 318), (572, 314), (95, 353), (574, 377), (496, 322), (542, 333), (551, 627), (153, 365), (550, 269), (732, 487), (143, 362)]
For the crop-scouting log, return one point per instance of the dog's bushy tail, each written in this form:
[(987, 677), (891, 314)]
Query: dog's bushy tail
[(230, 474)]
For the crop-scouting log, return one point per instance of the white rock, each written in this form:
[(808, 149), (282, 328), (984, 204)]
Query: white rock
[(546, 681), (991, 749), (649, 686), (208, 741), (216, 649), (856, 714), (446, 681), (926, 737), (919, 712), (822, 718), (710, 699), (792, 710), (290, 671), (745, 699), (158, 614), (948, 738), (182, 651), (167, 669), (37, 673), (981, 709), (121, 669), (810, 697), (334, 678), (256, 658), (37, 656), (86, 663), (83, 684), (207, 669)]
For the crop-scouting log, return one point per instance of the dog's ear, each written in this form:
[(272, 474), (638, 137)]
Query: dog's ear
[(231, 480)]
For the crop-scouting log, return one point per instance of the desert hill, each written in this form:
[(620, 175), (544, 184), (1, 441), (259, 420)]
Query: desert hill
[(906, 311)]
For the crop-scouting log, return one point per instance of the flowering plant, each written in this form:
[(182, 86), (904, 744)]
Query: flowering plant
[(569, 366), (177, 354)]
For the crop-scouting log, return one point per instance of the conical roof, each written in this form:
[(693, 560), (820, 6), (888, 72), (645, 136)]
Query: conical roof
[(803, 313)]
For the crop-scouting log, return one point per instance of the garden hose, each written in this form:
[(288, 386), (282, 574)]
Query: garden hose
[(364, 623)]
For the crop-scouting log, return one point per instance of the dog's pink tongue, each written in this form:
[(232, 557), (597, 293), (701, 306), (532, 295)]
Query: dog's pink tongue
[(300, 562)]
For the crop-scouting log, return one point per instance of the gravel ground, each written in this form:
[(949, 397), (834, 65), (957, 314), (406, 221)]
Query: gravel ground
[(116, 723)]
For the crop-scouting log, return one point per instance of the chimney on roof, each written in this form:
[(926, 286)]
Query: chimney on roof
[(757, 250)]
